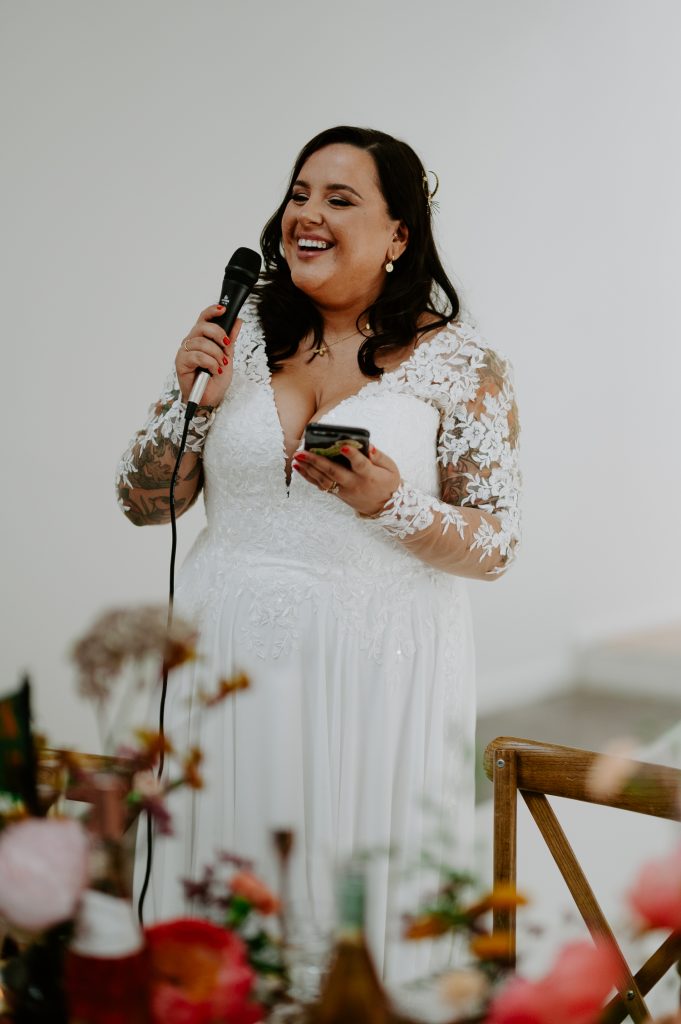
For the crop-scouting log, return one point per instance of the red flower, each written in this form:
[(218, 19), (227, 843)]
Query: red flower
[(572, 993), (244, 884), (199, 975), (656, 895)]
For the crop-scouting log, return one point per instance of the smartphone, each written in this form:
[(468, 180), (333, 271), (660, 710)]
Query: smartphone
[(327, 439)]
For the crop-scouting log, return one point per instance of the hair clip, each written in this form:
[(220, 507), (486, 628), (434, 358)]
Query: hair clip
[(430, 195)]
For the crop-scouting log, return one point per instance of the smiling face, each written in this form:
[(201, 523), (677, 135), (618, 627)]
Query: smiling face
[(337, 232)]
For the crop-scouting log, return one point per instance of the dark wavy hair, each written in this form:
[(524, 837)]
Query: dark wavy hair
[(418, 285)]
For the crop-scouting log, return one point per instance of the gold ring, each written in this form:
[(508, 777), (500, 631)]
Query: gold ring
[(185, 344)]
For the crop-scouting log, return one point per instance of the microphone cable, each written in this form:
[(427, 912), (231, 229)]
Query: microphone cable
[(241, 274), (164, 676)]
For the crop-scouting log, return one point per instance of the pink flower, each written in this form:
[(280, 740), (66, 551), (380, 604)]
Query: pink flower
[(43, 870), (199, 975), (656, 895), (573, 992)]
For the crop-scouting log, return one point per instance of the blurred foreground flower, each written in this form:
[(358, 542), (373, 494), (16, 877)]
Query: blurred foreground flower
[(656, 894), (43, 871), (447, 912), (464, 989), (130, 635), (612, 770), (230, 894), (199, 975), (573, 992)]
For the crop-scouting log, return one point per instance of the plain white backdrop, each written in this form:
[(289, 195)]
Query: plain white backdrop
[(144, 141)]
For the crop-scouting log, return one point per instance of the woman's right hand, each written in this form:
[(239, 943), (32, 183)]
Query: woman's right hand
[(207, 346)]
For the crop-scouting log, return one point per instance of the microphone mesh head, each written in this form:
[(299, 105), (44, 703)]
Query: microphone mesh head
[(244, 266)]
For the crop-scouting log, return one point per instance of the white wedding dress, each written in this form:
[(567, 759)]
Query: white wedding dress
[(358, 729)]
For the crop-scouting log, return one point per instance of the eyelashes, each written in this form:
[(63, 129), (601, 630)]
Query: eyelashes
[(337, 201)]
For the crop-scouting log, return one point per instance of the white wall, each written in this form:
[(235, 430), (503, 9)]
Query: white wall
[(143, 141)]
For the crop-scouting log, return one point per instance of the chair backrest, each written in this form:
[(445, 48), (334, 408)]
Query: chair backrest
[(537, 770), (59, 774)]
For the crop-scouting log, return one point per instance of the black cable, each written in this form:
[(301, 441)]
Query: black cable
[(191, 409)]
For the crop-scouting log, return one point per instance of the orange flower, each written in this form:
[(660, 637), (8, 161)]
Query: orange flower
[(153, 743), (502, 897), (225, 688), (192, 775), (491, 947), (246, 885), (426, 926)]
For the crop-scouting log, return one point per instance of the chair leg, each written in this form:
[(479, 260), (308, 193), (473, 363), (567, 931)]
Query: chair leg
[(505, 843)]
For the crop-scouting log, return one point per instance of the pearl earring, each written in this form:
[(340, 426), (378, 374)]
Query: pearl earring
[(389, 267)]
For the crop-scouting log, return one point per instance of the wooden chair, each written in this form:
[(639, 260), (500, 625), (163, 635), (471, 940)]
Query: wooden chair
[(537, 770), (55, 783)]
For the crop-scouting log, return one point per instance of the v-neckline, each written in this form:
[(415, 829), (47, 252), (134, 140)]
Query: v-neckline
[(267, 379)]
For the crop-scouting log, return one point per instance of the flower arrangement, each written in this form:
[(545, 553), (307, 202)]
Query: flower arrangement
[(576, 987), (199, 971), (223, 966)]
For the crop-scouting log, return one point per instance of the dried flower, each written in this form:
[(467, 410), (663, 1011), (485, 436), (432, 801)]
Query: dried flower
[(147, 784), (43, 870), (129, 634), (148, 793), (153, 744), (612, 769), (573, 992), (655, 896), (199, 975), (250, 888)]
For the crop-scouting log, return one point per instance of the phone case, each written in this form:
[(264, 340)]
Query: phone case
[(327, 439)]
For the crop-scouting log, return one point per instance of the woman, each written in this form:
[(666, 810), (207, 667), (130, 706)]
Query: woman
[(338, 590)]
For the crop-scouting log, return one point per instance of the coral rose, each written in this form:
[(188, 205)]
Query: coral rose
[(199, 975), (573, 992), (656, 895), (43, 871), (250, 888)]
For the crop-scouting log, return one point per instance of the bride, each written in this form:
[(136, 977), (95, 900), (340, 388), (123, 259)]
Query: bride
[(339, 589)]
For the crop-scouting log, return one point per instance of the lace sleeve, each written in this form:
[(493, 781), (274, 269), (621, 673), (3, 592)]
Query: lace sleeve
[(143, 474), (473, 528)]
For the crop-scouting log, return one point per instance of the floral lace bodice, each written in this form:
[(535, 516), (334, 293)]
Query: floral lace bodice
[(446, 416)]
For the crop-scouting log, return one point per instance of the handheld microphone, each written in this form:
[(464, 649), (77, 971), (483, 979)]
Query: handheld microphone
[(241, 273)]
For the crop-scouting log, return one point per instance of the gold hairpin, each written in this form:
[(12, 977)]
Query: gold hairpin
[(426, 188)]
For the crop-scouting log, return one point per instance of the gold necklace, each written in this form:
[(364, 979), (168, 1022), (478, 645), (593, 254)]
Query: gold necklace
[(323, 347)]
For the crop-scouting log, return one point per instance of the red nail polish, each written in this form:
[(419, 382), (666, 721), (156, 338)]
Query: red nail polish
[(345, 448), (373, 450), (297, 468), (300, 455), (225, 360), (220, 309), (219, 369), (227, 341)]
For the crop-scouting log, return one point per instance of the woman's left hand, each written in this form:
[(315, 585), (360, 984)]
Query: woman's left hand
[(366, 486)]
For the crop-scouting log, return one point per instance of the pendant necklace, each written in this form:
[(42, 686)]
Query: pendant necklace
[(323, 347)]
